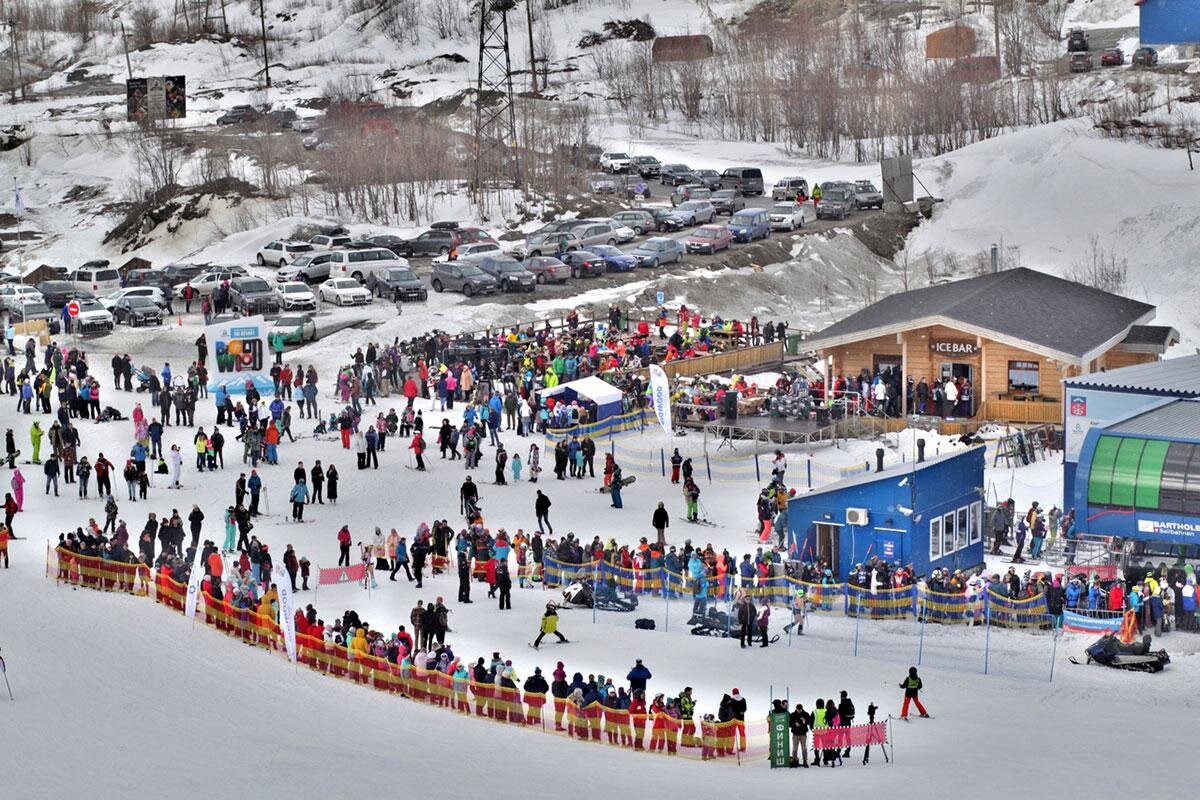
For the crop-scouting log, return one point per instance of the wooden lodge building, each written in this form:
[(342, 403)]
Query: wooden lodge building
[(1014, 335)]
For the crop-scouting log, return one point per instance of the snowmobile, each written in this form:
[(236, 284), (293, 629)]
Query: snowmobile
[(1135, 656), (714, 623), (606, 597)]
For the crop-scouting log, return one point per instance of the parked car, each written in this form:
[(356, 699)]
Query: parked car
[(328, 242), (137, 311), (614, 161), (283, 117), (790, 189), (151, 293), (614, 259), (547, 268), (440, 241), (344, 292), (511, 274), (388, 240), (637, 220), (252, 296), (647, 166), (750, 224), (295, 296), (867, 196), (14, 294), (708, 239), (727, 201), (690, 214), (690, 191), (1077, 41), (32, 311), (93, 317), (1080, 62), (708, 177), (474, 252), (747, 180), (590, 233), (601, 184), (361, 264), (787, 216), (675, 175), (1145, 57), (660, 214), (96, 277), (56, 294), (295, 328), (547, 242), (837, 202), (308, 267), (180, 273), (280, 253), (204, 284), (1112, 57), (238, 115), (314, 140), (466, 278), (149, 277), (304, 124), (398, 283), (636, 187), (658, 250), (584, 263)]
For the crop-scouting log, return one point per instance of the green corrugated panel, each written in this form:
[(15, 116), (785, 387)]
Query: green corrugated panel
[(1129, 456), (1150, 473), (1100, 479)]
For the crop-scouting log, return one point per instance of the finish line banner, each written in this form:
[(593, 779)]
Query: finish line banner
[(329, 576), (853, 736)]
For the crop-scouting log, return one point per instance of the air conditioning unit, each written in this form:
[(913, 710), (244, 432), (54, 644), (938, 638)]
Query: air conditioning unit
[(856, 516)]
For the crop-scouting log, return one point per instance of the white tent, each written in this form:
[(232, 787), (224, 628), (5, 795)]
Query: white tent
[(606, 396)]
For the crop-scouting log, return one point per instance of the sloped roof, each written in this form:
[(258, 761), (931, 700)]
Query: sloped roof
[(1039, 312), (1179, 420), (598, 391), (1178, 377)]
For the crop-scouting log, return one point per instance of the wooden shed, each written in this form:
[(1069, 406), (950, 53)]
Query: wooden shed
[(45, 272), (682, 48), (133, 263), (953, 42)]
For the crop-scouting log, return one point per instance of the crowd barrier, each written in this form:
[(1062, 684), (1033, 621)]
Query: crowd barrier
[(833, 598), (737, 741), (637, 420)]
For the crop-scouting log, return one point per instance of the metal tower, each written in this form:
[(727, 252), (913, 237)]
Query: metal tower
[(496, 159)]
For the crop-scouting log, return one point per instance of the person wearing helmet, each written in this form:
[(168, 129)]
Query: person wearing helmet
[(549, 625)]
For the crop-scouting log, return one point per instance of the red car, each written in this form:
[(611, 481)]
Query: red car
[(708, 239), (1112, 57)]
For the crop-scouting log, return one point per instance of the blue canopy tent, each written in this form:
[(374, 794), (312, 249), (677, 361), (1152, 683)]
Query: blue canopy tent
[(591, 391)]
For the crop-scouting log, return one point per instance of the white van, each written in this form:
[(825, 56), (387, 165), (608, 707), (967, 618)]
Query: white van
[(361, 264), (96, 277)]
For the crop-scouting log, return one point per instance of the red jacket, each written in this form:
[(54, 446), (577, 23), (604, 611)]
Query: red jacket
[(410, 388), (343, 536)]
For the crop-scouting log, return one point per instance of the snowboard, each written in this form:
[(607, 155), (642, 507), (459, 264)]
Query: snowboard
[(13, 456), (624, 482)]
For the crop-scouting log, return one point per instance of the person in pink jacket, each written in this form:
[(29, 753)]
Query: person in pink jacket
[(18, 487)]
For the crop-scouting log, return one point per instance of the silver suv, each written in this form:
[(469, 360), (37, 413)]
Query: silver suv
[(462, 277), (591, 233)]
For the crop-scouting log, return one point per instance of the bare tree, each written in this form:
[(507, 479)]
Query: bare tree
[(1100, 268)]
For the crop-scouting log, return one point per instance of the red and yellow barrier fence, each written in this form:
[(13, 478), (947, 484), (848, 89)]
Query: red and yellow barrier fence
[(596, 722)]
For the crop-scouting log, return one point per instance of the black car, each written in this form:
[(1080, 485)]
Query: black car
[(676, 175), (584, 263), (137, 311), (238, 115), (34, 311), (252, 296), (397, 283), (181, 273), (1145, 57), (283, 117), (148, 277), (1077, 41), (58, 293), (388, 240)]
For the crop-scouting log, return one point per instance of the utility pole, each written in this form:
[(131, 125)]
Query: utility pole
[(262, 18), (125, 42), (532, 60), (12, 59), (996, 25)]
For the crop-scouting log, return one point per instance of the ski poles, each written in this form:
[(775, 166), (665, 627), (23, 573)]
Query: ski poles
[(4, 672)]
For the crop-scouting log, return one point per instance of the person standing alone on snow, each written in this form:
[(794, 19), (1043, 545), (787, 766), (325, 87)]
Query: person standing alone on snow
[(912, 688), (549, 625)]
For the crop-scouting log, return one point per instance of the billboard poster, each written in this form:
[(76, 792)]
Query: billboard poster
[(156, 96), (1089, 408), (239, 348), (175, 90), (135, 99)]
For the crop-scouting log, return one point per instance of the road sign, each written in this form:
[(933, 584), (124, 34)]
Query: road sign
[(73, 308)]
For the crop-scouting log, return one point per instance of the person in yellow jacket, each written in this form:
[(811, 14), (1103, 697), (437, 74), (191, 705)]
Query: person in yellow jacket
[(358, 645), (549, 625), (550, 379)]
